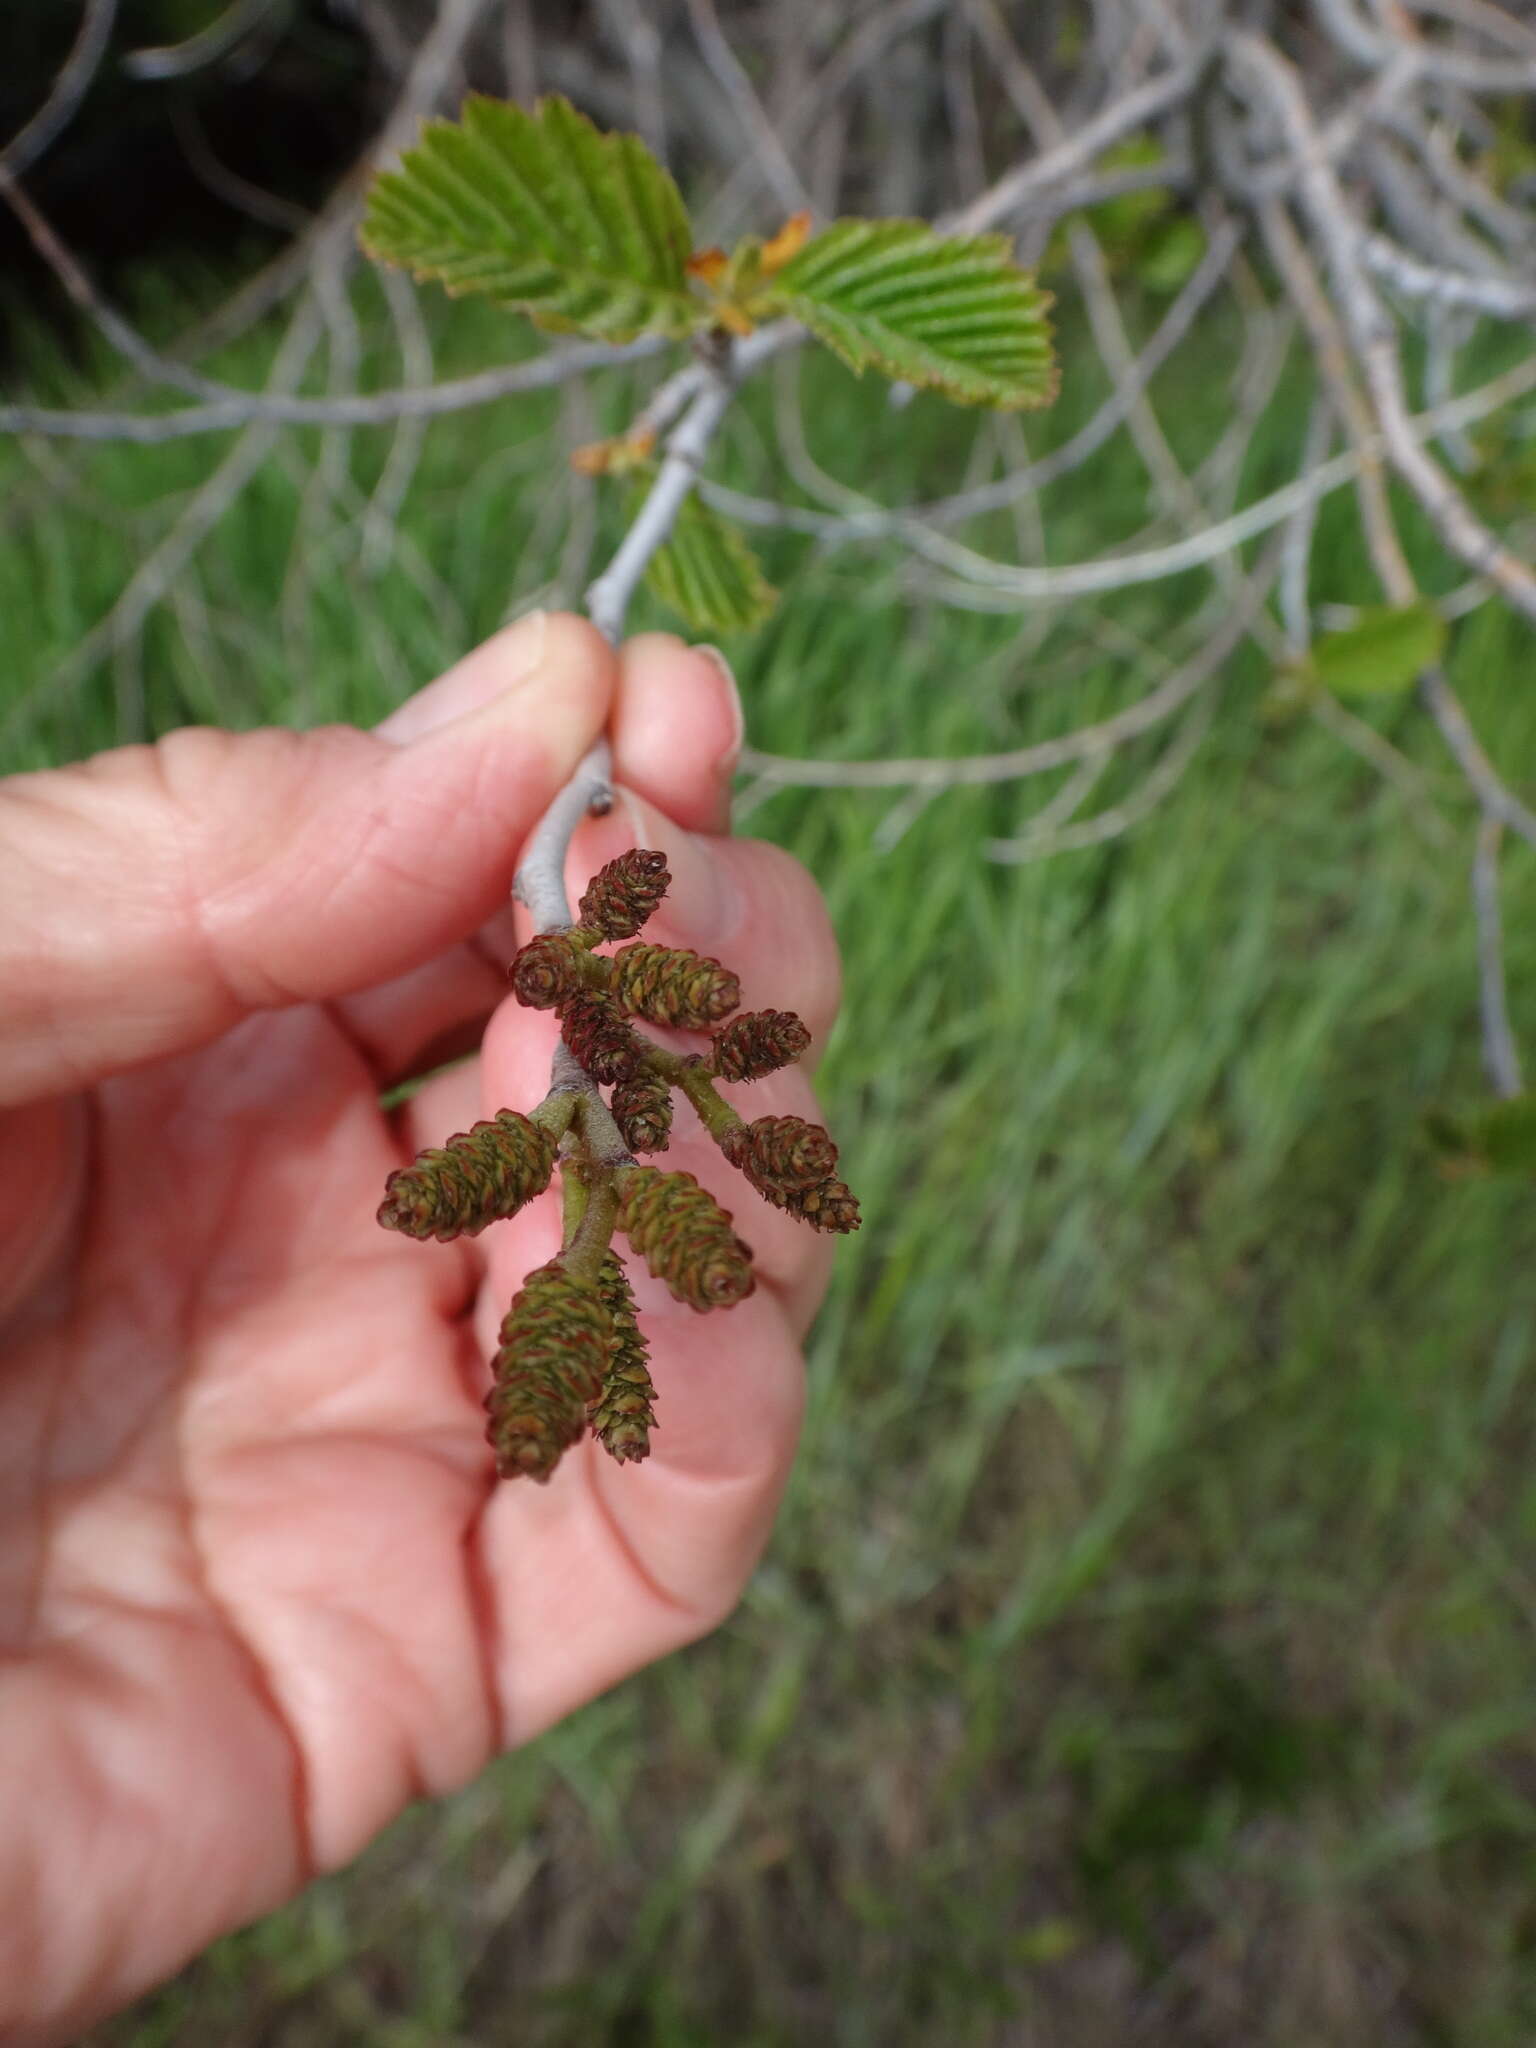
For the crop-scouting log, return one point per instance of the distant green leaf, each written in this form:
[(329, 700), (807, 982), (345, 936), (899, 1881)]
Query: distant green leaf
[(1387, 649), (1505, 1135), (707, 573), (1172, 252), (583, 231), (1496, 1137), (957, 315)]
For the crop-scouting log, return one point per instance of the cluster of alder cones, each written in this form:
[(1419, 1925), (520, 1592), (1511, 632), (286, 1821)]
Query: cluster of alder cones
[(571, 1354)]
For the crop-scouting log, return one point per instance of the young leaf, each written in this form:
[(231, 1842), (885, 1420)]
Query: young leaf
[(583, 231), (1387, 649), (954, 314), (707, 573)]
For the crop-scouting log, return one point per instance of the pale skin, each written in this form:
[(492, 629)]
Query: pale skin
[(258, 1586)]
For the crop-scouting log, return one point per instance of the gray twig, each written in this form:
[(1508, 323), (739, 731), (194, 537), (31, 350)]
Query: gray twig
[(1500, 1058), (69, 89), (540, 879)]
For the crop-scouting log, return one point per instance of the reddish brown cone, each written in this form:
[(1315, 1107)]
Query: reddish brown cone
[(624, 893), (599, 1039), (758, 1042), (783, 1152), (642, 1109), (546, 971), (830, 1206)]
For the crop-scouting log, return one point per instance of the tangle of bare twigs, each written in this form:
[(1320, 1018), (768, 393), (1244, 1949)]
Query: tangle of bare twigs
[(1338, 159)]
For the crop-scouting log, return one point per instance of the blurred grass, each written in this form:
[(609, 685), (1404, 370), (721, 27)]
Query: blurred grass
[(1145, 1653)]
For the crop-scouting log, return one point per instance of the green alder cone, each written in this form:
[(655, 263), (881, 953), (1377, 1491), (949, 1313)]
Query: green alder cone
[(757, 1043), (684, 1237), (480, 1176), (642, 1109), (624, 1414), (668, 985), (556, 1343)]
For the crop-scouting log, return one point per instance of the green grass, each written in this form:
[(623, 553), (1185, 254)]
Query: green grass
[(1145, 1653)]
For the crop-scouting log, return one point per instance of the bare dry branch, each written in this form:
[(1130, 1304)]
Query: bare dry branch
[(69, 89), (1500, 1057)]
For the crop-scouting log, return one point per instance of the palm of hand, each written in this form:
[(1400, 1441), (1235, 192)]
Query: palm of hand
[(258, 1587), (266, 1590)]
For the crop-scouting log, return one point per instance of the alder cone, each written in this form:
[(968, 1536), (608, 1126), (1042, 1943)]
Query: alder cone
[(783, 1152), (480, 1176), (642, 1109), (684, 1236), (556, 1341), (599, 1039), (831, 1206), (757, 1043), (546, 971), (624, 1414), (669, 985), (624, 893)]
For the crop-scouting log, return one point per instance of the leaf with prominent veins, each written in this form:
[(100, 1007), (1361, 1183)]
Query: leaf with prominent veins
[(955, 314), (583, 231), (708, 574)]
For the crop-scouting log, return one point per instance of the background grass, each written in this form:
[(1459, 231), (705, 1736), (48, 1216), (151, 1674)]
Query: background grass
[(1145, 1653)]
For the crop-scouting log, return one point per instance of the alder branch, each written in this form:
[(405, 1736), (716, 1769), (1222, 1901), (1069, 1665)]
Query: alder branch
[(608, 598), (1014, 763), (69, 88), (363, 409), (1351, 141), (540, 879), (1500, 1057), (1370, 331)]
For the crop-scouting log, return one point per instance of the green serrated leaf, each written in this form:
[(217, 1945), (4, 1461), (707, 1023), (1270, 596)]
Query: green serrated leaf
[(1388, 648), (707, 573), (957, 315), (584, 232)]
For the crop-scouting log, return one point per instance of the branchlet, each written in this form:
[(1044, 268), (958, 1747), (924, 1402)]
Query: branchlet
[(571, 1358)]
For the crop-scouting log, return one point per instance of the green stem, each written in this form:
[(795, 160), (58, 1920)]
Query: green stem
[(689, 1075), (556, 1112), (573, 1199), (588, 1244)]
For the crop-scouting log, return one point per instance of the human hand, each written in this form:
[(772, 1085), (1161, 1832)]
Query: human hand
[(258, 1587)]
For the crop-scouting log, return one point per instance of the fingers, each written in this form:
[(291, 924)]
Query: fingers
[(744, 902), (676, 726), (156, 894), (611, 1566), (46, 1148)]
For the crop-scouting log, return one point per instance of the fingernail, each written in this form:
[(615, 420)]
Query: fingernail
[(703, 906), (732, 754), (492, 672)]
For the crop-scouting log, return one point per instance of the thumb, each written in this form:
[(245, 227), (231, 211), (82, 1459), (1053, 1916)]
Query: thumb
[(158, 894)]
